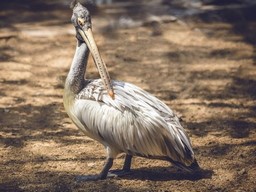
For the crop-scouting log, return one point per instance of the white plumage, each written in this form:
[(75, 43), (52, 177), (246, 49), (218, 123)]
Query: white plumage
[(135, 123)]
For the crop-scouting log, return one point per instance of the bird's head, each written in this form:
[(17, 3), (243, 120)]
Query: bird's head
[(81, 20)]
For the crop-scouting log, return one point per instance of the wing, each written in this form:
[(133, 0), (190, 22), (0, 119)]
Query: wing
[(135, 122)]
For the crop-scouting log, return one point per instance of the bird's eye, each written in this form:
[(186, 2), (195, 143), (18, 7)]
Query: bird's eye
[(81, 21)]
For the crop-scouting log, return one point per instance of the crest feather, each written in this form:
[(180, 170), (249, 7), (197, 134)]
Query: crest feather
[(73, 4)]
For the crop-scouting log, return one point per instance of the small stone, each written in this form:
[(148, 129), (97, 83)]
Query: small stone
[(6, 110), (242, 172), (90, 164)]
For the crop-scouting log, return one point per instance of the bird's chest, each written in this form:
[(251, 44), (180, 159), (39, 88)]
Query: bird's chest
[(71, 109)]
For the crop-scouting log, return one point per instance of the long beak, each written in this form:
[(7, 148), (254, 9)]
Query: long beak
[(101, 66)]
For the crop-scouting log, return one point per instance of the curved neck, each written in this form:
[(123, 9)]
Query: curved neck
[(75, 79)]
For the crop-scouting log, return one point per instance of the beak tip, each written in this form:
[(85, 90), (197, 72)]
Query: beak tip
[(111, 94)]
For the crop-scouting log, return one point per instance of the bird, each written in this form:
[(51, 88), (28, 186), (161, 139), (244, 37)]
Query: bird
[(124, 118)]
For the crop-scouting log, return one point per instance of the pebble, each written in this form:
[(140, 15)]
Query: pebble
[(6, 110), (242, 172)]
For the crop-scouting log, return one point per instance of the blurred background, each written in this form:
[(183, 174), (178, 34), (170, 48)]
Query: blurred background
[(197, 56)]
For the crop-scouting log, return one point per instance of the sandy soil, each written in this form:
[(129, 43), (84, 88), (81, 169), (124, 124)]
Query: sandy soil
[(203, 70)]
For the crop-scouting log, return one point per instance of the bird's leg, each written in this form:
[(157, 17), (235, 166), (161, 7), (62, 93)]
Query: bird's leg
[(103, 174), (127, 163), (126, 168)]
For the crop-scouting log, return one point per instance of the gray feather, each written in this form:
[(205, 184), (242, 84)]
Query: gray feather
[(135, 122)]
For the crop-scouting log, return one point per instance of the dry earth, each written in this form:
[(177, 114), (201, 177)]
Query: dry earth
[(204, 70)]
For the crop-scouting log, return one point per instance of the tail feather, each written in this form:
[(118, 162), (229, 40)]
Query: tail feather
[(191, 168), (194, 166)]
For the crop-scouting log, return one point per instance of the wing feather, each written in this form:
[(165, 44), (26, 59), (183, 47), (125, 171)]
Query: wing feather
[(134, 122)]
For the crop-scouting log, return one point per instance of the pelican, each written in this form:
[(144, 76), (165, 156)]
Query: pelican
[(121, 116)]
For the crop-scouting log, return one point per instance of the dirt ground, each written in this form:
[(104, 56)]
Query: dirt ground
[(202, 67)]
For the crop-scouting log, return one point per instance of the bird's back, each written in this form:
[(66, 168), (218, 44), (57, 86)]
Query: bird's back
[(135, 122)]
